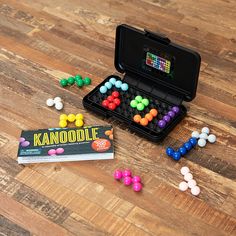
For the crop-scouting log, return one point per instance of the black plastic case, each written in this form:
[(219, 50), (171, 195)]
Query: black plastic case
[(163, 89)]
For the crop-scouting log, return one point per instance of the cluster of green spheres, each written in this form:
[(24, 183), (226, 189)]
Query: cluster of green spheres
[(139, 103), (78, 80)]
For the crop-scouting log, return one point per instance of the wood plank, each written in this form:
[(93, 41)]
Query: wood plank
[(81, 227), (32, 199), (7, 227), (27, 218)]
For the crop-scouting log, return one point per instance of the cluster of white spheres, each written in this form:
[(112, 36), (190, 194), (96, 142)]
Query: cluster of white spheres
[(204, 136), (57, 101), (189, 182)]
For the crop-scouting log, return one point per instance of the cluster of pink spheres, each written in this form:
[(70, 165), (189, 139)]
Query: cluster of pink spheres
[(54, 152), (23, 142), (128, 179)]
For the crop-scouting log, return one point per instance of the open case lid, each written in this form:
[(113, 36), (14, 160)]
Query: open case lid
[(157, 62)]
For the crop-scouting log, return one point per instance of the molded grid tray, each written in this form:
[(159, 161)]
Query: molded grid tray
[(125, 113)]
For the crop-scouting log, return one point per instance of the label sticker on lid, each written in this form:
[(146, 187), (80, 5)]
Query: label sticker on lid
[(158, 63)]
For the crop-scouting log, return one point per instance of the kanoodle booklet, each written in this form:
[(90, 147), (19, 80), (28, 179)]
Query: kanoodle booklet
[(66, 144)]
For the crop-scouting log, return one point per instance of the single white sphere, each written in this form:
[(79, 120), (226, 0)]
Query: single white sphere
[(211, 138), (195, 190), (183, 186), (201, 142), (57, 99), (188, 177), (203, 135), (50, 102), (195, 134), (184, 170), (205, 130), (192, 183), (59, 106)]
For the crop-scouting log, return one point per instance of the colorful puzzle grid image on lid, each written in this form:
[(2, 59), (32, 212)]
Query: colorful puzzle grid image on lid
[(158, 62)]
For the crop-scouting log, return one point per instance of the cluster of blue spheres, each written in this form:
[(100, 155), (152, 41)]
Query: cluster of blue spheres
[(186, 147), (117, 83)]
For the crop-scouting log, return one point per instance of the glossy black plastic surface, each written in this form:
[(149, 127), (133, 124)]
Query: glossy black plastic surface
[(131, 47)]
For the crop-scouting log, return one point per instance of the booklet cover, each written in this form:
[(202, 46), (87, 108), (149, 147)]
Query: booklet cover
[(66, 144)]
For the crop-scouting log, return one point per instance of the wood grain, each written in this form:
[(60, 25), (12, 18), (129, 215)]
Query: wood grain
[(44, 41), (9, 228)]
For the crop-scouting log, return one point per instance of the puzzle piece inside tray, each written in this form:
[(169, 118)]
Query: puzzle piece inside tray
[(167, 113)]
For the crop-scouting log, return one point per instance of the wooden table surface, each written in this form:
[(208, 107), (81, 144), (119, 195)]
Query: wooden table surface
[(43, 41)]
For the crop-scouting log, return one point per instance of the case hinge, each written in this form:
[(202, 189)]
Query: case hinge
[(157, 36)]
